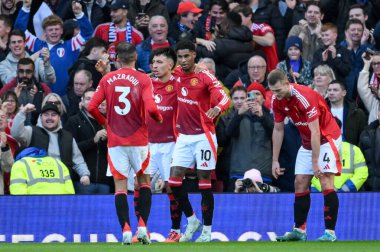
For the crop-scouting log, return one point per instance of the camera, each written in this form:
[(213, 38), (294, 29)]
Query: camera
[(267, 188), (247, 183), (368, 53), (141, 15)]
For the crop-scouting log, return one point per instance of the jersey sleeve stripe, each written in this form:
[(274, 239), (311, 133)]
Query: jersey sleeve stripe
[(301, 98)]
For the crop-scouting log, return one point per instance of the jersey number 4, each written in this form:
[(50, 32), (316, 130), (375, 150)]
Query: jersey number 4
[(123, 99)]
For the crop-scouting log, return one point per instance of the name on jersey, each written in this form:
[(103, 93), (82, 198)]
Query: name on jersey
[(127, 77), (165, 108)]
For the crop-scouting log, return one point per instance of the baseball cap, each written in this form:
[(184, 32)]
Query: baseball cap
[(119, 4), (256, 86), (254, 175), (50, 106), (188, 7)]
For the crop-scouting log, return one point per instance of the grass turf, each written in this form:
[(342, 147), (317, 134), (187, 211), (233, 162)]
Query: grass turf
[(340, 246)]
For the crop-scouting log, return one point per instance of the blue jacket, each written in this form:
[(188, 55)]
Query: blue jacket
[(63, 54), (356, 66), (144, 51)]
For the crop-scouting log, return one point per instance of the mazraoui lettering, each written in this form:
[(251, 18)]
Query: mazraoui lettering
[(127, 77)]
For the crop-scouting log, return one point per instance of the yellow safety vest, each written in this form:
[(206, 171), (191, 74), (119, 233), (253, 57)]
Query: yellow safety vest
[(40, 175), (354, 170)]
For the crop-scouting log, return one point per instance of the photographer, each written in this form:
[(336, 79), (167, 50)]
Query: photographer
[(27, 88), (253, 182)]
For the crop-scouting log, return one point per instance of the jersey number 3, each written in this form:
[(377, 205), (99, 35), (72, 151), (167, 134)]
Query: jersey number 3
[(123, 99)]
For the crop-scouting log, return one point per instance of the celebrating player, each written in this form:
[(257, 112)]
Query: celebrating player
[(127, 93), (196, 143), (318, 155), (162, 136)]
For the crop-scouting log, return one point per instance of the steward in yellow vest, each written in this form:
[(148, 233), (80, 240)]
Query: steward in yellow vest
[(36, 173)]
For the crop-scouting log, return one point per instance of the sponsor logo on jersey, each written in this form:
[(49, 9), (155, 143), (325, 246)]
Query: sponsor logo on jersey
[(301, 124), (157, 98), (204, 164), (61, 52), (169, 88), (165, 108), (327, 167), (184, 91), (194, 82), (191, 102), (312, 112)]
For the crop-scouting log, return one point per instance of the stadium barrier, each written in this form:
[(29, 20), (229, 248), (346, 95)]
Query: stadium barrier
[(237, 217)]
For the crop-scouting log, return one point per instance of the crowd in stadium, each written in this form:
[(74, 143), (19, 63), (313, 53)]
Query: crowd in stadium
[(54, 53)]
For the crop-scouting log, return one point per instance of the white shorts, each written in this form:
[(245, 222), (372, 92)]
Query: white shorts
[(327, 160), (191, 150), (161, 158), (122, 158)]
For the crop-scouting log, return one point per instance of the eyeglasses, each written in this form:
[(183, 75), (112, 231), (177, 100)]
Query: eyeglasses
[(256, 67), (376, 64), (26, 71), (56, 103)]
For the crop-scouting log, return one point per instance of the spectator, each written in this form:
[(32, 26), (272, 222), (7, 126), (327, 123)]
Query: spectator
[(296, 68), (158, 38), (262, 35), (331, 54), (94, 49), (233, 45), (266, 12), (369, 144), (43, 69), (9, 8), (292, 11), (49, 135), (5, 29), (38, 11), (250, 130), (70, 29), (354, 171), (353, 119), (82, 81), (370, 94), (309, 30), (357, 11), (323, 75), (56, 100), (27, 88), (5, 151), (355, 46), (34, 172), (141, 11), (97, 11), (10, 106), (120, 28), (376, 35), (92, 142), (210, 23), (62, 54)]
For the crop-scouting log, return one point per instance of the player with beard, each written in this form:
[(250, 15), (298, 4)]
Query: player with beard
[(127, 93), (196, 143)]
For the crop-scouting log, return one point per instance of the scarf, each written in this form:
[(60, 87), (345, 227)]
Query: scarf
[(112, 34)]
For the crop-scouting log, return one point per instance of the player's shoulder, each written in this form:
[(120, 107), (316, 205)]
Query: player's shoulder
[(207, 75)]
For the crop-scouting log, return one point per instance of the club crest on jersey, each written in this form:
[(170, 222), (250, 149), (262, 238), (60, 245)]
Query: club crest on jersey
[(184, 91), (169, 88), (61, 52), (157, 98), (194, 82)]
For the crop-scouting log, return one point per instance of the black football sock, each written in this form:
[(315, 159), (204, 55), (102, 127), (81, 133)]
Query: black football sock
[(145, 202), (207, 201), (175, 212), (330, 209), (122, 209), (301, 209)]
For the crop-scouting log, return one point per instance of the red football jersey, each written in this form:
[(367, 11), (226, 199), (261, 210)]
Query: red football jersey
[(128, 93), (270, 51), (194, 93), (304, 106), (165, 96)]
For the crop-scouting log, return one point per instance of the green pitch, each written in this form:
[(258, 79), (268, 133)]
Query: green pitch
[(340, 246)]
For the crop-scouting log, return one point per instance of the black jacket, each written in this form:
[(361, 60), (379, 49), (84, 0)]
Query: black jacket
[(235, 47), (269, 13), (369, 144), (341, 64), (84, 129), (86, 64), (354, 122)]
